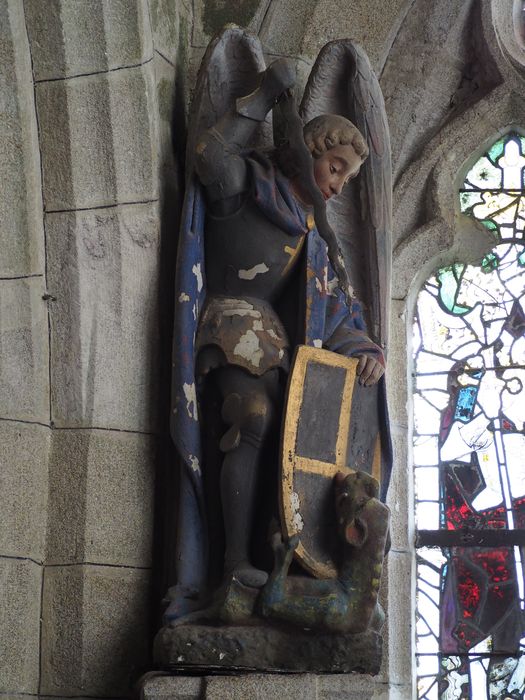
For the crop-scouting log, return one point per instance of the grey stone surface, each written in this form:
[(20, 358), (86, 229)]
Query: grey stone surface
[(24, 363), (400, 618), (162, 687), (23, 489), (20, 587), (21, 226), (270, 687), (417, 257), (396, 372), (98, 139), (255, 687), (68, 697), (166, 95), (427, 191), (212, 15), (302, 27), (103, 273), (95, 634), (508, 49), (265, 648), (69, 37), (171, 26), (400, 493), (100, 498), (418, 102), (345, 687)]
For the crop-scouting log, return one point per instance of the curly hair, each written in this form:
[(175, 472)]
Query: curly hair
[(330, 130), (320, 135)]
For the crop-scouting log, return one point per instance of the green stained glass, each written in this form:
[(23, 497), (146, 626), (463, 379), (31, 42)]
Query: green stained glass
[(490, 262), (449, 281), (490, 225), (496, 150), (469, 442)]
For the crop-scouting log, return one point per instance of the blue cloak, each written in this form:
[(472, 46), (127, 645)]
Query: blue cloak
[(329, 323)]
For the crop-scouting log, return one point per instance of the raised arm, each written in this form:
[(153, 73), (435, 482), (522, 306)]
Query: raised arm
[(219, 162)]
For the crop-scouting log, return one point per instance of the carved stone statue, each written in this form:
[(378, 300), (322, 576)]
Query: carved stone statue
[(261, 273)]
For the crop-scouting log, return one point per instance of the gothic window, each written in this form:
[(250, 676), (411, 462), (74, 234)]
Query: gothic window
[(469, 450)]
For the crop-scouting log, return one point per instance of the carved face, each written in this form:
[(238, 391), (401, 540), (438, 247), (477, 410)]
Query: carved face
[(352, 493), (334, 168)]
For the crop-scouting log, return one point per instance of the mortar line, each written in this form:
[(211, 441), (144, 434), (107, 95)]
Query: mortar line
[(13, 557), (267, 10), (69, 565), (400, 551), (165, 58), (92, 73), (25, 422), (108, 430), (80, 427), (101, 206), (20, 277)]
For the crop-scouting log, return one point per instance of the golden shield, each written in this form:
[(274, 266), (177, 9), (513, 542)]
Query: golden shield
[(331, 424)]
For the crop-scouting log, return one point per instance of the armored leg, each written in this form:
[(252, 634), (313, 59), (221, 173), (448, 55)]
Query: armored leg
[(249, 409)]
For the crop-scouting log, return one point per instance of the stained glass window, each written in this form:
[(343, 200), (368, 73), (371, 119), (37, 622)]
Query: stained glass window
[(469, 450)]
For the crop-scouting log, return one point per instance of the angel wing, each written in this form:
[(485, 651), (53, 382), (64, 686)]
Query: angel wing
[(228, 70), (342, 82)]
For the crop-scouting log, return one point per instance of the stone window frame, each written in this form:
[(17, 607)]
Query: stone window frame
[(445, 235)]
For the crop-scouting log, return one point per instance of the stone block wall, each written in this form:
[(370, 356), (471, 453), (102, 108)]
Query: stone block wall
[(89, 192), (93, 102)]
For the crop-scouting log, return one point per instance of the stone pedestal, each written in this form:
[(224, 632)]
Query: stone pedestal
[(264, 648)]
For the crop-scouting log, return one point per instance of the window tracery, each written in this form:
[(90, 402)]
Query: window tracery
[(469, 450)]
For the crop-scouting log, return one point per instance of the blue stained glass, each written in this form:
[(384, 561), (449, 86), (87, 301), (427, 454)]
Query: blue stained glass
[(465, 403), (473, 325)]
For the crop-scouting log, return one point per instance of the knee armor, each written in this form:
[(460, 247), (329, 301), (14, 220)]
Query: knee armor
[(249, 418)]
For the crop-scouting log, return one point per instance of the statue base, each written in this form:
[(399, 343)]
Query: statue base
[(186, 648)]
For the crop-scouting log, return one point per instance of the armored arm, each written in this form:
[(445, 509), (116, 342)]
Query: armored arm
[(219, 162)]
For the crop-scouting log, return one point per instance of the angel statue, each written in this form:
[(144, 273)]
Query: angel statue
[(277, 247)]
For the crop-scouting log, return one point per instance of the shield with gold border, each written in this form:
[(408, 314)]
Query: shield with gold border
[(331, 424)]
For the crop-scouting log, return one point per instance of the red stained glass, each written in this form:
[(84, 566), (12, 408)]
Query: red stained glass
[(469, 415)]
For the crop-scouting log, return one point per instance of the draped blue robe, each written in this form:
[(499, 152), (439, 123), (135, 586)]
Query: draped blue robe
[(329, 323)]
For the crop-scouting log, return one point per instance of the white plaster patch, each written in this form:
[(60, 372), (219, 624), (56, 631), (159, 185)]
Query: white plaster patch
[(194, 463), (242, 312), (195, 311), (191, 399), (258, 326), (184, 297), (281, 354), (272, 334), (249, 347), (318, 284), (317, 343), (332, 286), (250, 274), (196, 269), (297, 520)]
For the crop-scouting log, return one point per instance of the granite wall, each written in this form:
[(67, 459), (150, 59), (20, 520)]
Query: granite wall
[(93, 98)]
